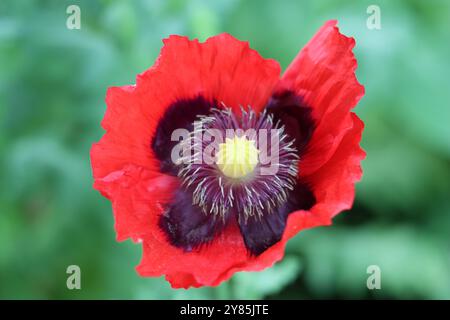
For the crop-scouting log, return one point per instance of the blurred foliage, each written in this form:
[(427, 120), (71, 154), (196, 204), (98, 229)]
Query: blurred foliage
[(52, 86)]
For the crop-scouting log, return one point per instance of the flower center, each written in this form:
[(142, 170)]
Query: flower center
[(250, 174), (237, 157)]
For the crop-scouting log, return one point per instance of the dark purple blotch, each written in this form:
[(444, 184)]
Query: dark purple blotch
[(179, 115), (294, 115), (260, 233), (186, 225)]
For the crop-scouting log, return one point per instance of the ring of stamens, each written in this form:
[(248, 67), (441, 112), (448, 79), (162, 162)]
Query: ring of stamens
[(233, 178)]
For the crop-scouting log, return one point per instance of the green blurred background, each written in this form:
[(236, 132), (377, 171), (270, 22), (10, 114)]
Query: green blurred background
[(52, 87)]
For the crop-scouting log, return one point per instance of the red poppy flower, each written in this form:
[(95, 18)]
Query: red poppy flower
[(200, 223)]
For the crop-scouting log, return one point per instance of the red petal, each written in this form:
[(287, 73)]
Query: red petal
[(323, 74), (137, 197), (333, 184), (222, 68), (215, 262), (128, 134)]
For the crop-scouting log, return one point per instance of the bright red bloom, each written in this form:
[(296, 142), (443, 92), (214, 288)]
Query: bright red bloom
[(313, 99)]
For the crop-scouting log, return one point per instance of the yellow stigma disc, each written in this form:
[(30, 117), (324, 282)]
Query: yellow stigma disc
[(237, 157)]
